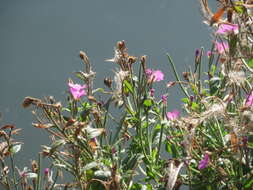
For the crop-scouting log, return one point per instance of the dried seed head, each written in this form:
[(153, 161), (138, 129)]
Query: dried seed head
[(170, 84), (236, 77), (186, 75), (58, 104), (30, 100), (4, 148), (92, 98), (34, 166), (82, 55), (230, 14), (108, 82), (6, 170), (8, 127), (143, 59), (4, 134), (127, 136), (132, 59), (51, 99), (121, 45), (42, 125), (15, 131), (93, 144)]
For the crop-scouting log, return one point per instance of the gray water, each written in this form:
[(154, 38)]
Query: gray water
[(40, 41)]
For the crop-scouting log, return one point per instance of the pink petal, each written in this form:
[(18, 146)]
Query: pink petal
[(204, 162), (227, 29), (77, 90), (173, 115), (158, 75), (221, 47), (249, 100)]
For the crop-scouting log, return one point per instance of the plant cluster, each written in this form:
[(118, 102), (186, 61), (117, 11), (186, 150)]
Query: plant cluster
[(123, 137)]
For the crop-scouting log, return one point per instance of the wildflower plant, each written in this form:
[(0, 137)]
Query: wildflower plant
[(123, 137)]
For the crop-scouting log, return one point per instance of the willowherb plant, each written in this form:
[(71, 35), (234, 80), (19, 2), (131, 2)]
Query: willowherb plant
[(123, 136)]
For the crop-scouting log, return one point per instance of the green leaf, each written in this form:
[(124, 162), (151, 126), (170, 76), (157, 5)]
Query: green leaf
[(248, 183), (194, 89), (149, 187), (128, 86), (212, 70), (171, 149), (136, 186), (96, 185), (250, 63), (147, 103), (232, 45), (239, 9), (168, 148), (195, 106), (185, 100), (16, 148), (158, 127), (154, 154)]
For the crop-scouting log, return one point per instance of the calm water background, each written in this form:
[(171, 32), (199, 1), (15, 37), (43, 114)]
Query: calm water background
[(40, 41)]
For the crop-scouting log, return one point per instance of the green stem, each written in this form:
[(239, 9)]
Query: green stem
[(141, 139), (148, 134), (39, 174), (176, 75), (13, 171), (55, 179), (161, 134)]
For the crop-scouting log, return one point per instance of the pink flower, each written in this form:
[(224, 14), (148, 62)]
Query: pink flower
[(208, 53), (158, 75), (164, 99), (152, 92), (204, 162), (46, 171), (173, 115), (227, 29), (249, 100), (77, 90), (149, 72), (154, 75), (221, 47)]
